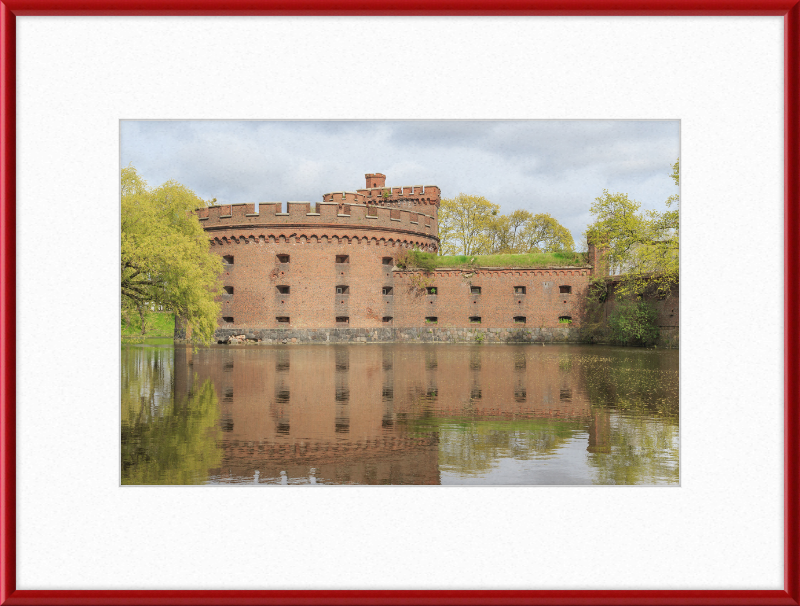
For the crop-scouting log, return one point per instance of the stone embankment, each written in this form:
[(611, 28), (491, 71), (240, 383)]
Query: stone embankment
[(271, 336)]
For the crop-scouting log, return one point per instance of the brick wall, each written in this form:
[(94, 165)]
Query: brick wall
[(339, 272)]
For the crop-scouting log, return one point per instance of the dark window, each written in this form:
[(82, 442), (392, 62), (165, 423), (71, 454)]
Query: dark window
[(387, 290), (388, 261), (228, 259), (342, 394), (565, 320), (475, 394), (228, 290), (342, 320), (284, 290), (228, 319), (282, 319), (519, 319), (431, 290), (519, 290), (431, 320), (475, 319), (566, 394), (342, 290), (475, 290), (343, 258), (565, 289), (283, 258), (283, 429), (387, 319), (520, 394)]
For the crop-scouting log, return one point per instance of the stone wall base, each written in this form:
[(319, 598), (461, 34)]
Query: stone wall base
[(397, 335)]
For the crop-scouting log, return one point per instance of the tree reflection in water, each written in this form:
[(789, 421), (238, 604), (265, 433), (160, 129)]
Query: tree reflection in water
[(166, 439)]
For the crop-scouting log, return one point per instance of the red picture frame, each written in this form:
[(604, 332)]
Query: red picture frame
[(788, 9)]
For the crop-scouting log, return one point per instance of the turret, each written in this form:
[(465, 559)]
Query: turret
[(375, 180)]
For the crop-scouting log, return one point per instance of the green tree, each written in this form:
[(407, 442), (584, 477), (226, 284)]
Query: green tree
[(464, 222), (504, 232), (641, 246), (634, 322), (542, 233), (165, 253), (522, 232)]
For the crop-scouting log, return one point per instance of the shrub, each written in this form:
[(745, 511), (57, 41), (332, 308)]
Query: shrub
[(633, 323)]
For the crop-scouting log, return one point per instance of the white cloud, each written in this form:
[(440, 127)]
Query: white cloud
[(550, 166)]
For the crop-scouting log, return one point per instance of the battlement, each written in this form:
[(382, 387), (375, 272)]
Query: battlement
[(408, 195), (316, 215), (377, 193)]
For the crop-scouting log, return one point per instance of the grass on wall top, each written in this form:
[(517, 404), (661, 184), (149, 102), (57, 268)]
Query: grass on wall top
[(416, 259)]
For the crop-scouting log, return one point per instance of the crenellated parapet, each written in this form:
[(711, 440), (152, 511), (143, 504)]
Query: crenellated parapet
[(324, 216), (377, 193), (422, 195)]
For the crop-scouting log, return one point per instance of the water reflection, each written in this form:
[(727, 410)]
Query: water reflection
[(399, 414)]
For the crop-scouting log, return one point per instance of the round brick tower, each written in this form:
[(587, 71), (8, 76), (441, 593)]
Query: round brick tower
[(323, 265)]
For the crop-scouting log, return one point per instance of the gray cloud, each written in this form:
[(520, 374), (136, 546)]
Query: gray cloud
[(550, 166)]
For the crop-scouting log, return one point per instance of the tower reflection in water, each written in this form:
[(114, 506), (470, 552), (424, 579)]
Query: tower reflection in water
[(401, 414)]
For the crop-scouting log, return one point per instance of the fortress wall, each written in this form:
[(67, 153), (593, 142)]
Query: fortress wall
[(312, 275), (497, 304), (317, 217)]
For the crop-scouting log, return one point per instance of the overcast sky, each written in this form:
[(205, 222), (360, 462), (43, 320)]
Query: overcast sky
[(552, 166)]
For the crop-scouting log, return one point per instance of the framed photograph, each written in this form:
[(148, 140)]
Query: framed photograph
[(563, 112)]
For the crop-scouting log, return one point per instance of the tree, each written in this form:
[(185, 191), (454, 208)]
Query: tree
[(463, 224), (641, 246), (165, 253), (542, 233), (505, 230), (522, 232)]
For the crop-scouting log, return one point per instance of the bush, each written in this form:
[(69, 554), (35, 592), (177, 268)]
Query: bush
[(634, 323)]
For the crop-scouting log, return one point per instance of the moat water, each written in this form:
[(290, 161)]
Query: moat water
[(399, 414)]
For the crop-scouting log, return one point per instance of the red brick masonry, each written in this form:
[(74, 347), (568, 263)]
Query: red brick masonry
[(331, 265)]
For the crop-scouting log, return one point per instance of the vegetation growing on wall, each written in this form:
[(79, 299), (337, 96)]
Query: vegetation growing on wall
[(633, 322), (416, 259)]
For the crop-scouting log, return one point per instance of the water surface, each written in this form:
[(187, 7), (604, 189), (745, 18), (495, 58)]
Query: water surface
[(399, 414)]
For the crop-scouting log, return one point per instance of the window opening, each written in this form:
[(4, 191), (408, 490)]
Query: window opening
[(431, 320), (387, 319), (519, 290), (565, 320), (342, 290), (386, 290), (519, 319), (343, 258), (565, 289), (475, 319), (475, 290), (228, 259), (228, 319), (283, 258), (284, 290), (228, 290), (342, 320), (388, 261), (282, 319), (431, 290)]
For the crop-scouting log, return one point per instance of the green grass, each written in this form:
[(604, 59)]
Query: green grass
[(158, 324), (416, 259)]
